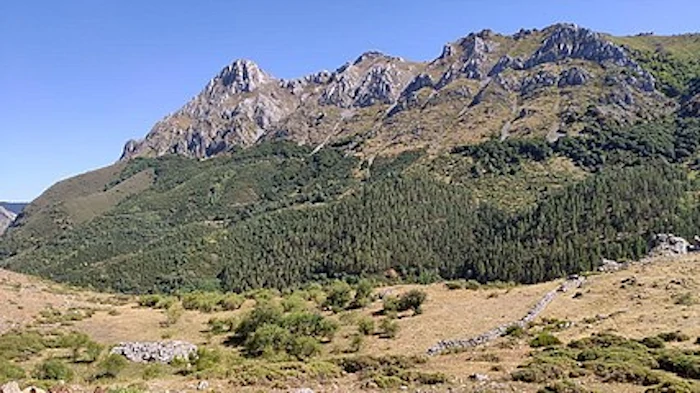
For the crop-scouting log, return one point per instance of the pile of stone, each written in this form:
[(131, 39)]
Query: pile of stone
[(155, 352), (454, 345)]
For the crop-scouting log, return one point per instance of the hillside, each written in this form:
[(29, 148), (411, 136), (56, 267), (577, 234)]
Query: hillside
[(361, 192), (626, 331), (549, 82)]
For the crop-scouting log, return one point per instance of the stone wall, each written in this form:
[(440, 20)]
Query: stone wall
[(155, 352), (535, 311)]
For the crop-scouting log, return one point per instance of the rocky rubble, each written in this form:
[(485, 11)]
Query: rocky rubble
[(452, 345), (155, 352)]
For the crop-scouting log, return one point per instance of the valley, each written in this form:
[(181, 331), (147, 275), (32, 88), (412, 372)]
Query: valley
[(638, 302)]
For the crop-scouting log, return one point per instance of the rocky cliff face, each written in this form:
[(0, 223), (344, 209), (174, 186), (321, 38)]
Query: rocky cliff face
[(6, 218), (549, 82)]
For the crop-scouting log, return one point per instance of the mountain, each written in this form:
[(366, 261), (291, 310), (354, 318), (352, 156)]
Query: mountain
[(549, 82), (14, 207), (6, 218), (513, 158)]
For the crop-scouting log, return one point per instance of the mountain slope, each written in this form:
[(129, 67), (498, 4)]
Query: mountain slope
[(550, 83), (391, 166)]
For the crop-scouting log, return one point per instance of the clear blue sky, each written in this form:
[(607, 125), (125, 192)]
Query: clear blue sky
[(80, 77)]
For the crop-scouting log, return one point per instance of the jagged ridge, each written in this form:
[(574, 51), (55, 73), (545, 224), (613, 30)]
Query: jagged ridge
[(547, 82)]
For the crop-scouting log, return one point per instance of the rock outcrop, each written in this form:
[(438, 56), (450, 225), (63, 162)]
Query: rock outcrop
[(155, 352), (376, 98), (6, 218), (667, 244)]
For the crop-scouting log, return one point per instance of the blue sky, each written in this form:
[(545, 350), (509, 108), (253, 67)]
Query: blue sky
[(80, 77)]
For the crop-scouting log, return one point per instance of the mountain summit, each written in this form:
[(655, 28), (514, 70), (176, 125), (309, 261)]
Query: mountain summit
[(549, 82)]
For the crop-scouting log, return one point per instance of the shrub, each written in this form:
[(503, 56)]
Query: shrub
[(231, 302), (294, 302), (544, 339), (653, 342), (206, 359), (172, 315), (54, 369), (676, 336), (356, 341), (221, 325), (267, 340), (472, 285), (390, 304), (686, 299), (389, 328), (10, 371), (339, 296), (412, 300), (366, 326), (201, 301), (263, 313), (516, 331), (303, 347), (454, 285), (363, 294), (111, 366), (153, 371), (564, 387)]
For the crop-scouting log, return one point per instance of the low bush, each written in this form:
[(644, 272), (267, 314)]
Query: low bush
[(10, 371), (55, 370), (676, 336), (366, 326), (388, 328), (544, 339), (111, 366)]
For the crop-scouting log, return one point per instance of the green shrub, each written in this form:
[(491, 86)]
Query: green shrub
[(544, 339), (685, 299), (55, 370), (516, 331), (539, 373), (172, 315), (303, 347), (201, 301), (389, 328), (153, 371), (267, 340), (231, 302), (454, 285), (10, 371), (363, 294), (366, 326), (221, 325), (294, 302), (356, 342), (111, 366), (564, 387), (263, 313), (654, 342), (412, 300), (686, 365), (339, 296), (676, 336), (472, 285), (206, 359)]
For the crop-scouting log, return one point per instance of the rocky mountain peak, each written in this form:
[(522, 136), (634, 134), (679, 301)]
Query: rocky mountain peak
[(241, 76), (477, 86)]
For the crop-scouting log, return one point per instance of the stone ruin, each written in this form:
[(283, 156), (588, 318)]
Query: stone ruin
[(155, 352), (574, 281)]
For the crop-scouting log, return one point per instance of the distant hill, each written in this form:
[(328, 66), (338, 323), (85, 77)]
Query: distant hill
[(14, 207)]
